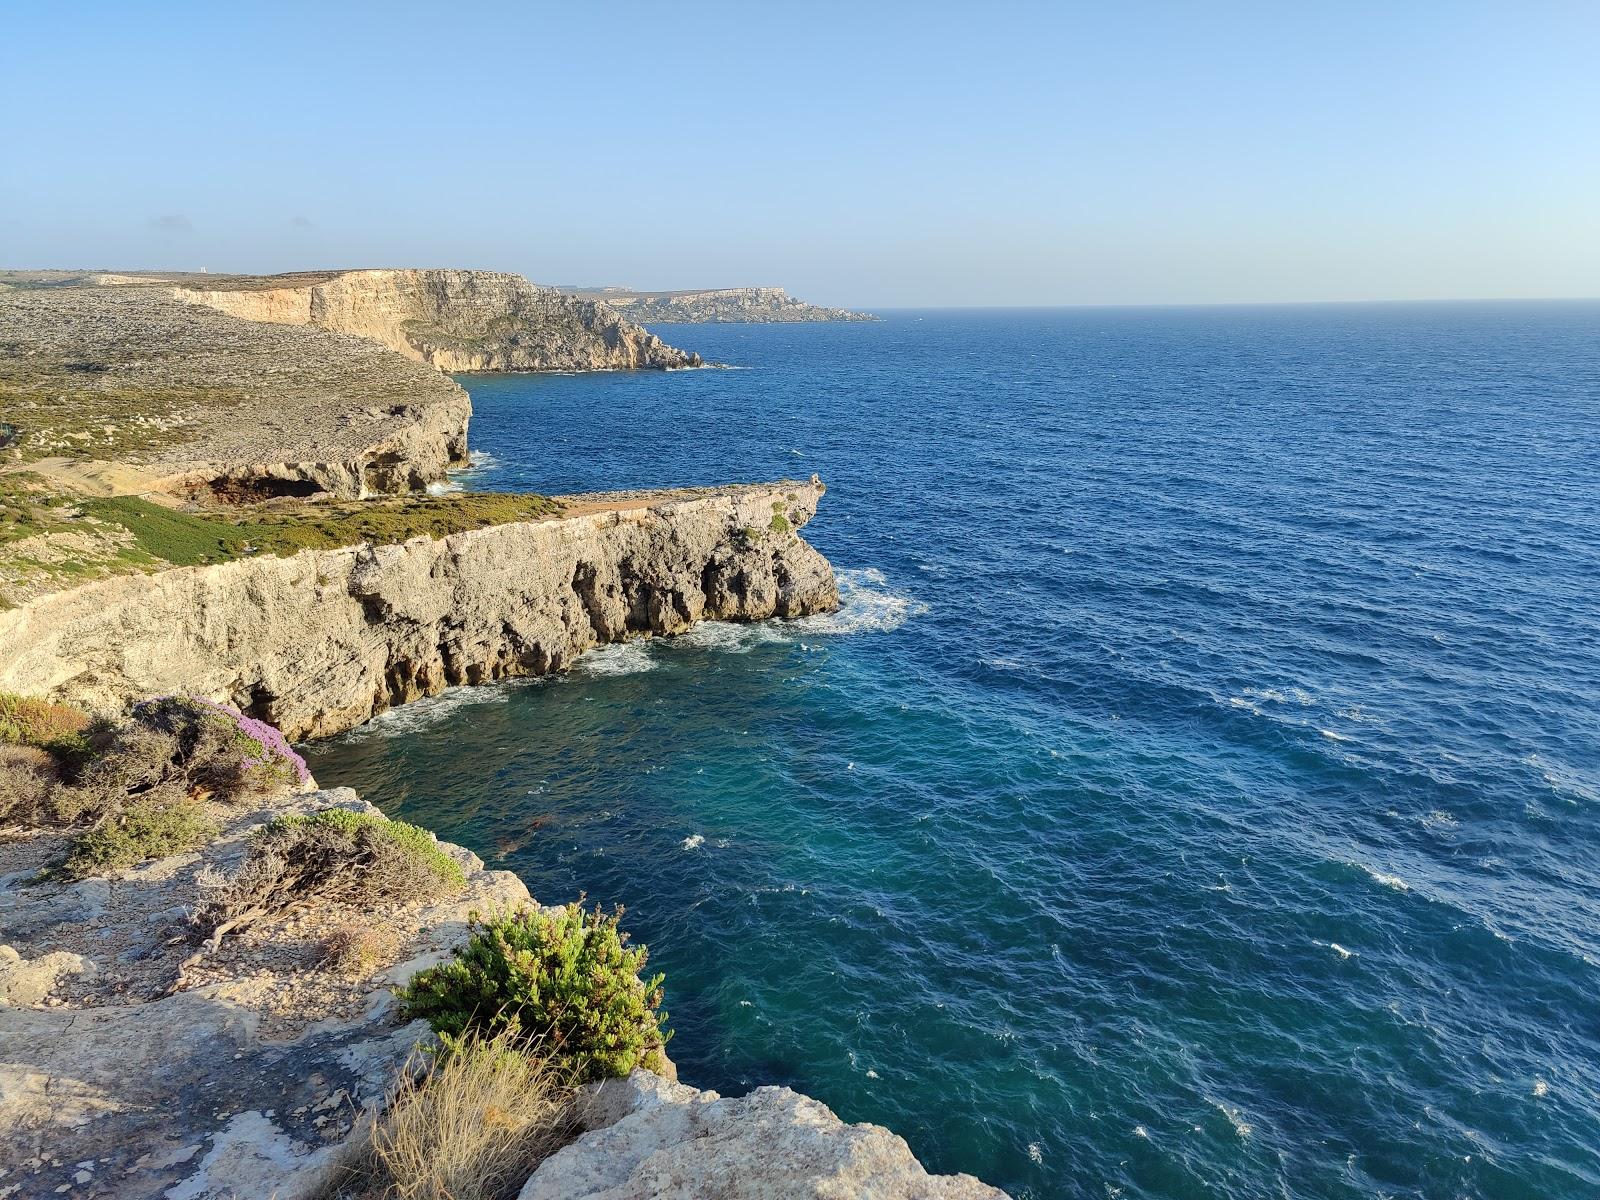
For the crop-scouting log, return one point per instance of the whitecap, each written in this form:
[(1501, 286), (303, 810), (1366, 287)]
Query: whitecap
[(867, 604), (694, 841), (1383, 877), (1340, 950), (420, 714), (1035, 1152), (624, 658), (729, 637), (1541, 1088), (1235, 1118)]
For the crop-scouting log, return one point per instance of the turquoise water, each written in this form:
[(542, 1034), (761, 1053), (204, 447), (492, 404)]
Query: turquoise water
[(1199, 792)]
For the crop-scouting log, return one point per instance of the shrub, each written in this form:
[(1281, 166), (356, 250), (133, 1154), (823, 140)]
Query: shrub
[(222, 748), (334, 855), (567, 982), (469, 1122), (28, 777), (358, 948), (25, 721), (146, 829)]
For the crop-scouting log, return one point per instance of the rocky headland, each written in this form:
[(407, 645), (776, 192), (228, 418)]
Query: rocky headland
[(715, 305), (220, 488)]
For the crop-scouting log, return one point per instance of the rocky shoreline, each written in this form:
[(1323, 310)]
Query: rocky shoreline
[(131, 1066)]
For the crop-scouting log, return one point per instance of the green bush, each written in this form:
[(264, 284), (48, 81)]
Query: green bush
[(566, 984), (143, 830)]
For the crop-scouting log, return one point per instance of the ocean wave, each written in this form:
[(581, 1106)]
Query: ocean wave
[(624, 658), (730, 637), (694, 841), (867, 604), (410, 718)]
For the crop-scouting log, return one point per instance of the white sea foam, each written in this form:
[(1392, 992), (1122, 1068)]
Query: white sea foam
[(1393, 881), (867, 604), (1541, 1088), (625, 658), (1339, 950), (1235, 1118), (418, 715), (694, 841), (731, 638)]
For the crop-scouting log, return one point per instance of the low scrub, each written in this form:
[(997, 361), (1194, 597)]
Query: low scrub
[(143, 830), (26, 721), (469, 1121), (182, 746), (357, 948), (29, 778), (567, 983), (334, 855)]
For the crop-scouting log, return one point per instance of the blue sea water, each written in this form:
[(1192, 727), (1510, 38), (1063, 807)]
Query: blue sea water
[(1198, 794)]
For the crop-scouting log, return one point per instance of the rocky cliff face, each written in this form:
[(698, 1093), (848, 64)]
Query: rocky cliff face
[(181, 397), (717, 305), (453, 320), (321, 641)]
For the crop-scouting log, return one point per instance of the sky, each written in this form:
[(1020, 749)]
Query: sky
[(867, 154)]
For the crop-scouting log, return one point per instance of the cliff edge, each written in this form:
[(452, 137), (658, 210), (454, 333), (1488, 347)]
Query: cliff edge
[(450, 319)]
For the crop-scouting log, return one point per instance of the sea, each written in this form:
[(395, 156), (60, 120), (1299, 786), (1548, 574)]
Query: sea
[(1197, 793)]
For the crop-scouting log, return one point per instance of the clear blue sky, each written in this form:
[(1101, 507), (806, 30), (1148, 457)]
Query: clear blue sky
[(862, 153)]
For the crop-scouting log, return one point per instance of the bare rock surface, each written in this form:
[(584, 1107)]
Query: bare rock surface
[(244, 1085), (323, 640), (716, 306), (654, 1140), (454, 320), (126, 389)]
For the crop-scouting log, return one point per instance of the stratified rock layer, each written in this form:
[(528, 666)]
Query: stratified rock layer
[(655, 1140), (320, 641), (454, 320)]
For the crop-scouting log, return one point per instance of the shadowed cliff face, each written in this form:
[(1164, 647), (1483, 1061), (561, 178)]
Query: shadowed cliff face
[(323, 640), (453, 320)]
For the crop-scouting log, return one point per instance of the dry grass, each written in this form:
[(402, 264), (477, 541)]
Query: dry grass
[(356, 948), (470, 1122)]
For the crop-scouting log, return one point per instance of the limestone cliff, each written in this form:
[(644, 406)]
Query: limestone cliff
[(320, 641), (453, 320), (717, 305), (124, 384)]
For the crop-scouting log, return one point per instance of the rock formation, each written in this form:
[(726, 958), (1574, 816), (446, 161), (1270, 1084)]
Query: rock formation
[(322, 640), (452, 320), (651, 1139), (716, 305), (252, 1082), (126, 389)]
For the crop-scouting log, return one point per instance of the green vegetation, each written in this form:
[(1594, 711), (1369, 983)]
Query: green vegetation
[(26, 721), (566, 985), (135, 534), (143, 830), (187, 538), (392, 859), (780, 523)]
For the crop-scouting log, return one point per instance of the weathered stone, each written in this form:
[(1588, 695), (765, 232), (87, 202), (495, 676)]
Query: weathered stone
[(320, 641), (453, 320), (654, 1140)]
